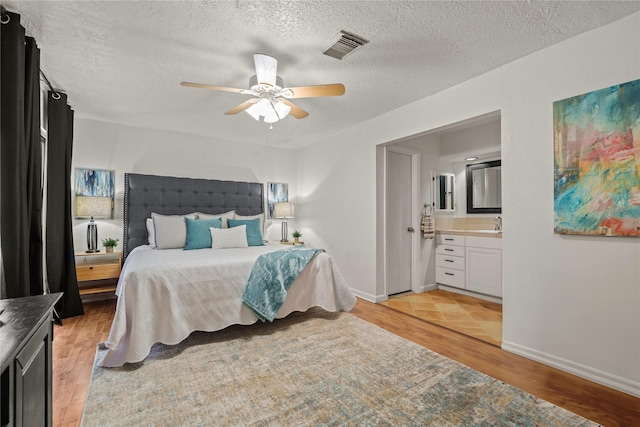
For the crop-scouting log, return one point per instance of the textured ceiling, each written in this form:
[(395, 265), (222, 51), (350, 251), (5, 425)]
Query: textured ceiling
[(123, 61)]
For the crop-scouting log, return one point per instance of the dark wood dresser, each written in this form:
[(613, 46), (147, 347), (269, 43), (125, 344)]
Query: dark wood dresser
[(26, 332)]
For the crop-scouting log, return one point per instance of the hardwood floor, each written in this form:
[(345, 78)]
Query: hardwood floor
[(471, 316), (74, 348), (75, 342)]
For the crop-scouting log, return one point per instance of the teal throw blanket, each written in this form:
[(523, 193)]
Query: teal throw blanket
[(272, 276)]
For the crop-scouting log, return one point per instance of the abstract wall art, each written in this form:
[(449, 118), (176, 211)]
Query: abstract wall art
[(94, 193), (597, 162), (276, 192)]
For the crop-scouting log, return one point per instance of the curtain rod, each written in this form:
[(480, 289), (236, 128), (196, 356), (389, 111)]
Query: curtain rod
[(55, 95), (4, 19)]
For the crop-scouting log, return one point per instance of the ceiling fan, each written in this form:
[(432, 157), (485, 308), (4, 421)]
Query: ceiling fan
[(270, 98)]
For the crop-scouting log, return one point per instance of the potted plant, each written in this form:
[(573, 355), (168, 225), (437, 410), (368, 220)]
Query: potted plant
[(296, 236), (110, 243)]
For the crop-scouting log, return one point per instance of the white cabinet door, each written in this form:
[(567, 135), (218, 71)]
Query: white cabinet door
[(484, 270)]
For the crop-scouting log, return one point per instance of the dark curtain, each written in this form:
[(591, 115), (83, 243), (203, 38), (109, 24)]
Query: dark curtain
[(61, 263), (21, 162)]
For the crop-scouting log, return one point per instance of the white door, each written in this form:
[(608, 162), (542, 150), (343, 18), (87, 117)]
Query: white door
[(399, 222)]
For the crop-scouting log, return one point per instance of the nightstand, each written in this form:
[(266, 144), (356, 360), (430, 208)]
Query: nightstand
[(291, 243), (91, 266)]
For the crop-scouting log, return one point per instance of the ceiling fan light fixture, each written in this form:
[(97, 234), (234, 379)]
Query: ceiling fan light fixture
[(270, 111), (282, 109), (253, 111)]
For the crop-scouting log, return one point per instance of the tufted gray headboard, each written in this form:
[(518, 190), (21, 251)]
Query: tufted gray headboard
[(168, 195)]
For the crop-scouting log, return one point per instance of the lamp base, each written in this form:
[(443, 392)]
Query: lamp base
[(92, 237), (285, 232)]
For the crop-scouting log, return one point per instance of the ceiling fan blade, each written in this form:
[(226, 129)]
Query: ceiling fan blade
[(222, 88), (242, 107), (335, 89), (296, 111), (266, 69)]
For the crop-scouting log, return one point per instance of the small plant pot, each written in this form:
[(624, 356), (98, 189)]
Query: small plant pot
[(109, 248), (296, 240)]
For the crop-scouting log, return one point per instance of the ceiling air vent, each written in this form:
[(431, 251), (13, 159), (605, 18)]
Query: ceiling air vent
[(344, 44)]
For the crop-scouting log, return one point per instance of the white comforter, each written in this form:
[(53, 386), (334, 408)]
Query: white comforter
[(164, 295)]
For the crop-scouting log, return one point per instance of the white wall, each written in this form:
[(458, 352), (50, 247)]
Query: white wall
[(104, 145), (478, 141), (571, 302)]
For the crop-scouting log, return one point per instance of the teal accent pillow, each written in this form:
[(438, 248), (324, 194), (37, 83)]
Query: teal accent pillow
[(254, 235), (198, 234)]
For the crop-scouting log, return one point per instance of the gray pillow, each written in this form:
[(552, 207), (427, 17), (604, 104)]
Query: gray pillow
[(224, 216), (170, 230)]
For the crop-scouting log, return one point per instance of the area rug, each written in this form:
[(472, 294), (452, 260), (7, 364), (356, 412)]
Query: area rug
[(314, 368)]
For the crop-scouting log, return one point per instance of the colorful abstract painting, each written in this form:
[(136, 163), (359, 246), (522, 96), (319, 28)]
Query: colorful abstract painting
[(597, 162), (276, 192)]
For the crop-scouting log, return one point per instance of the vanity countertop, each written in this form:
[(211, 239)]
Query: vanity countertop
[(479, 233)]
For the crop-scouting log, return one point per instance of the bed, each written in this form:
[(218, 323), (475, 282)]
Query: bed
[(165, 293)]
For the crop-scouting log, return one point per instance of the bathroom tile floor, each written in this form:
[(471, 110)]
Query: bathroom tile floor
[(471, 316)]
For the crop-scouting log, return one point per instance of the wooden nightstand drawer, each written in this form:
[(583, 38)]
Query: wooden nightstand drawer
[(96, 267), (97, 272)]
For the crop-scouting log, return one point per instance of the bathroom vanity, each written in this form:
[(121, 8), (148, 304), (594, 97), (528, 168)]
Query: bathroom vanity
[(471, 261)]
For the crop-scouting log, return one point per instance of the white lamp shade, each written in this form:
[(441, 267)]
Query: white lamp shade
[(284, 210), (89, 206)]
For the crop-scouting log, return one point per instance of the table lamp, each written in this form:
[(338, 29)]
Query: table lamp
[(284, 210), (93, 207)]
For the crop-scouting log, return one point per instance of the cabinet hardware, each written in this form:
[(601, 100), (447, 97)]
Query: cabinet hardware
[(448, 239), (447, 249), (448, 260), (449, 274)]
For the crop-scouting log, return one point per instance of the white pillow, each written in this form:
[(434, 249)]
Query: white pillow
[(223, 238), (170, 230), (151, 233), (223, 216)]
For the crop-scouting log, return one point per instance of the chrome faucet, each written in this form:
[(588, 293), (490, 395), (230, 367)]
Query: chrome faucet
[(498, 226)]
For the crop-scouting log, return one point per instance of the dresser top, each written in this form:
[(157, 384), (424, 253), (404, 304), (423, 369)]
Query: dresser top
[(19, 319)]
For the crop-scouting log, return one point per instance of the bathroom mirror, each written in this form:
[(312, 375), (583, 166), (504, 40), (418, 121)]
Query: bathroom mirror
[(484, 187), (443, 191)]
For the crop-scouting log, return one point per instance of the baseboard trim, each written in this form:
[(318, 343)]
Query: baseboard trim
[(601, 377), (369, 297), (427, 288), (471, 294)]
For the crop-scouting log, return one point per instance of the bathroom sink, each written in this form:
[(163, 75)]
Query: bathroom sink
[(473, 232)]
